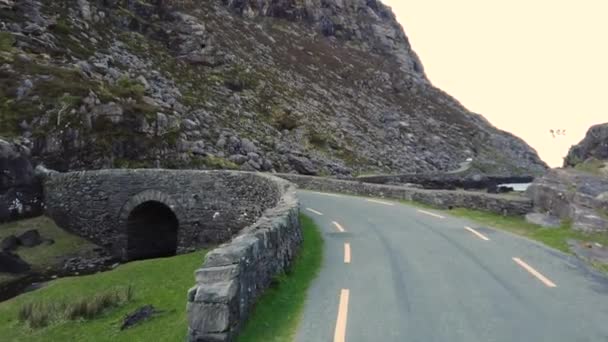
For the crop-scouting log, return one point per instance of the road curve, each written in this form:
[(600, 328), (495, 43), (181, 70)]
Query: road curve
[(423, 276)]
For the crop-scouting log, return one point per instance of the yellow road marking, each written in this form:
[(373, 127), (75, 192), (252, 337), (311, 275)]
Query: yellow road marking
[(339, 227), (380, 202), (431, 214), (479, 235), (314, 211), (347, 253), (535, 273), (340, 333)]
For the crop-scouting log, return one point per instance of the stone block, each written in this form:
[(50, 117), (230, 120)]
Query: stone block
[(222, 292), (208, 275)]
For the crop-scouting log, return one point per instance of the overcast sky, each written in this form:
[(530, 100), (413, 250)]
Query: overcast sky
[(527, 66)]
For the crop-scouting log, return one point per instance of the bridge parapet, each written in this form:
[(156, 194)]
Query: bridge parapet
[(210, 207)]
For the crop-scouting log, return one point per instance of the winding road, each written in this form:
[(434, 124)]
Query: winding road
[(393, 272)]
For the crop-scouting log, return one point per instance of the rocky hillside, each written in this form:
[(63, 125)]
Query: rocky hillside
[(316, 86), (578, 192), (593, 146)]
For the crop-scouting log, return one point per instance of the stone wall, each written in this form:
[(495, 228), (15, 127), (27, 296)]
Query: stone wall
[(500, 204), (235, 274), (447, 181), (211, 207)]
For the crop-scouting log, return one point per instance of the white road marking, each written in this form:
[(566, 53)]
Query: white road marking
[(431, 214), (479, 235), (535, 273), (339, 227), (326, 194), (380, 202), (347, 253), (340, 332), (314, 211)]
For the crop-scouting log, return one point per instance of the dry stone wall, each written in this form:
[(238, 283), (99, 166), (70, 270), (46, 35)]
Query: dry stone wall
[(235, 274), (445, 199)]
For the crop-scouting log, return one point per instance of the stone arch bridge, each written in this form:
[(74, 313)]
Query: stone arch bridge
[(138, 214)]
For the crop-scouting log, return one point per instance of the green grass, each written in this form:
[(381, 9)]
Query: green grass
[(160, 282), (593, 166), (6, 41), (277, 314), (44, 256), (553, 237)]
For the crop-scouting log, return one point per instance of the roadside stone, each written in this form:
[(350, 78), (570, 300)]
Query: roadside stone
[(543, 220), (138, 316), (238, 159), (266, 165)]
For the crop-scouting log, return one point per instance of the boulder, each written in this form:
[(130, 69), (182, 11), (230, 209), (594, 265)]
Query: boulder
[(12, 263), (238, 159), (568, 194), (302, 165), (9, 243), (594, 145), (30, 238), (247, 146)]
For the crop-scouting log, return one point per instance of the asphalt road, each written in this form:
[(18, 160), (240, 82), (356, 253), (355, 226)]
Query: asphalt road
[(413, 276)]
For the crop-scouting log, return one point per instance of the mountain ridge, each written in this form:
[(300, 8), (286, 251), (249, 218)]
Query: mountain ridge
[(314, 87)]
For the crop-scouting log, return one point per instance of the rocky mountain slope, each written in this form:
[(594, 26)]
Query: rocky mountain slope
[(579, 191), (593, 146), (315, 86)]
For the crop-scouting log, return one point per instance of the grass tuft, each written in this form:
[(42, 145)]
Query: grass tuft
[(40, 314)]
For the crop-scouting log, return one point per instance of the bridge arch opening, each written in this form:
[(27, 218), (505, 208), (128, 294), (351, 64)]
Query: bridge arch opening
[(151, 231)]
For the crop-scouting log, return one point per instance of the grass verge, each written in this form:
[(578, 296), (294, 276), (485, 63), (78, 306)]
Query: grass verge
[(553, 237), (160, 282), (44, 256), (277, 313)]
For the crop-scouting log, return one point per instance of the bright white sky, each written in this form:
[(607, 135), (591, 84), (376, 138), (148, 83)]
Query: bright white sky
[(527, 66)]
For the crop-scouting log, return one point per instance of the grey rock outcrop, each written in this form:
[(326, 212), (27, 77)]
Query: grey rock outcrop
[(568, 194), (367, 21), (594, 145), (20, 191)]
